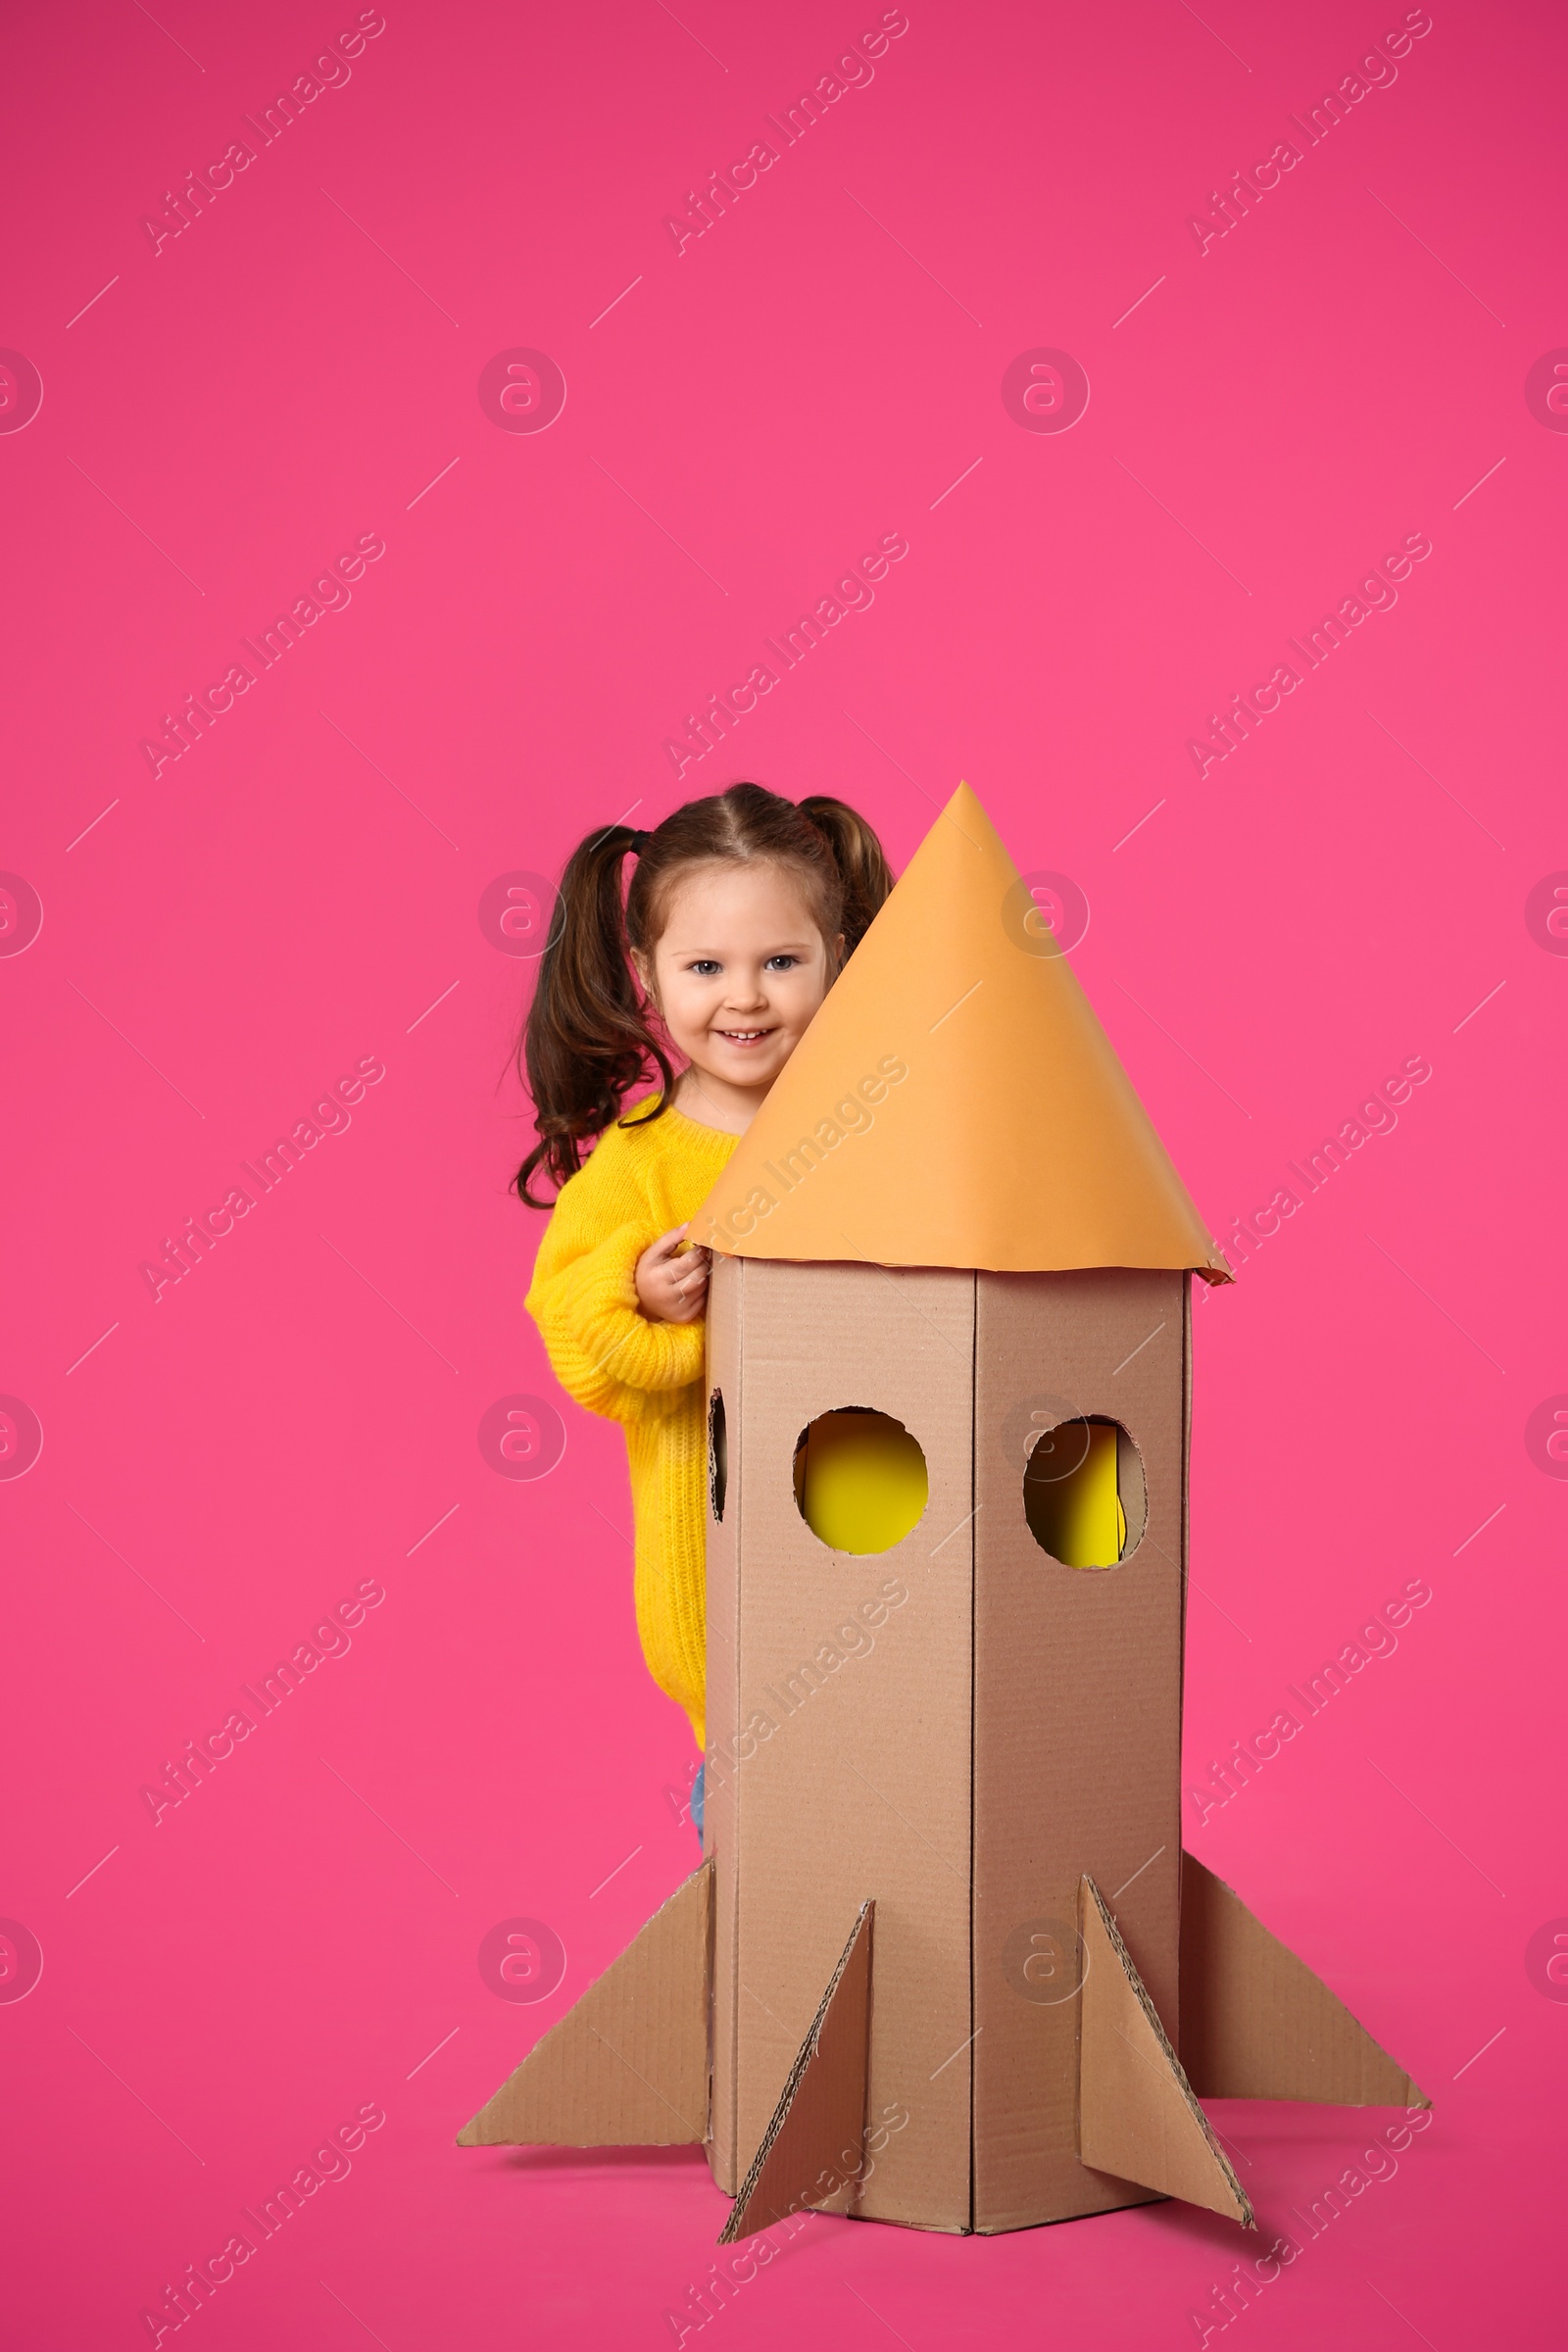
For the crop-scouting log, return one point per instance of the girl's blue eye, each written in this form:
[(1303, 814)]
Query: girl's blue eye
[(704, 966), (783, 963)]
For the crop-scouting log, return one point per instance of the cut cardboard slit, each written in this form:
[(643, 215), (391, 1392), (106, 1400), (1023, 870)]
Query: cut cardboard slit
[(1077, 1480), (860, 1481), (971, 1732), (717, 1454)]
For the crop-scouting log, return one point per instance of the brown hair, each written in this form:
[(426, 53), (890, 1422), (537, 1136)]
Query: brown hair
[(589, 1038)]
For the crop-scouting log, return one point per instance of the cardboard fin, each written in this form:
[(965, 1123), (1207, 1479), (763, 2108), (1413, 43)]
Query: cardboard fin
[(1136, 2116), (628, 2065), (819, 2123), (1256, 2023)]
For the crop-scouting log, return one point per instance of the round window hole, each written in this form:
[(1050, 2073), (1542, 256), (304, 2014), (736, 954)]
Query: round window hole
[(1083, 1492), (718, 1453), (860, 1480)]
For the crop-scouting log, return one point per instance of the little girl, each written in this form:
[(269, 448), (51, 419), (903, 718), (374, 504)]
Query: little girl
[(741, 913)]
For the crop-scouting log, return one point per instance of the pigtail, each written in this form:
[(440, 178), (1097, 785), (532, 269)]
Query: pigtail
[(587, 1040), (860, 859)]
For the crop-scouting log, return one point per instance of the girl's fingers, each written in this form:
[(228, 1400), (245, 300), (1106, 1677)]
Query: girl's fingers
[(681, 1272)]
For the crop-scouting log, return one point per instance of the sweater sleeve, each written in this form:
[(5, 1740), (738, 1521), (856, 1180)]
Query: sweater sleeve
[(604, 1351)]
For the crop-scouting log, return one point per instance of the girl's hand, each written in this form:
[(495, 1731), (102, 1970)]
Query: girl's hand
[(672, 1289)]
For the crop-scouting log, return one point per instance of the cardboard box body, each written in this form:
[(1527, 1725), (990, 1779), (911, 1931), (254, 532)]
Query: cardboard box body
[(956, 1728)]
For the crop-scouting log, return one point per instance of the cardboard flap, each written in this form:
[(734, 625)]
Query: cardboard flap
[(1136, 2116), (628, 2065), (912, 1064), (1256, 2023), (819, 2125)]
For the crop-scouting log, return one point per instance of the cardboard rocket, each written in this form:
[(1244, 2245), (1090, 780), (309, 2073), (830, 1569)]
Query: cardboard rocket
[(945, 1962)]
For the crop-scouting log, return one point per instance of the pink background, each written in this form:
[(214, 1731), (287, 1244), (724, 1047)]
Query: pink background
[(220, 418)]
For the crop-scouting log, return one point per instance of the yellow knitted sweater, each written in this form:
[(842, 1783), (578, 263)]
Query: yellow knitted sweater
[(640, 1181)]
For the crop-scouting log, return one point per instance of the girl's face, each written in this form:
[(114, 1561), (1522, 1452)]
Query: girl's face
[(737, 975)]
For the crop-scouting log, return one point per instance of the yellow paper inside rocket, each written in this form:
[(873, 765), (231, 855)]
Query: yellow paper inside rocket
[(860, 1481), (1070, 1495)]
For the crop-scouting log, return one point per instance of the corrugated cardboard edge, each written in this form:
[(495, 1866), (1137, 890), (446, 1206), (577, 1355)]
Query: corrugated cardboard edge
[(725, 1374), (1138, 2117), (1076, 1725), (1257, 2022), (628, 2065), (973, 2220), (861, 1786), (1187, 1459), (820, 2117)]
